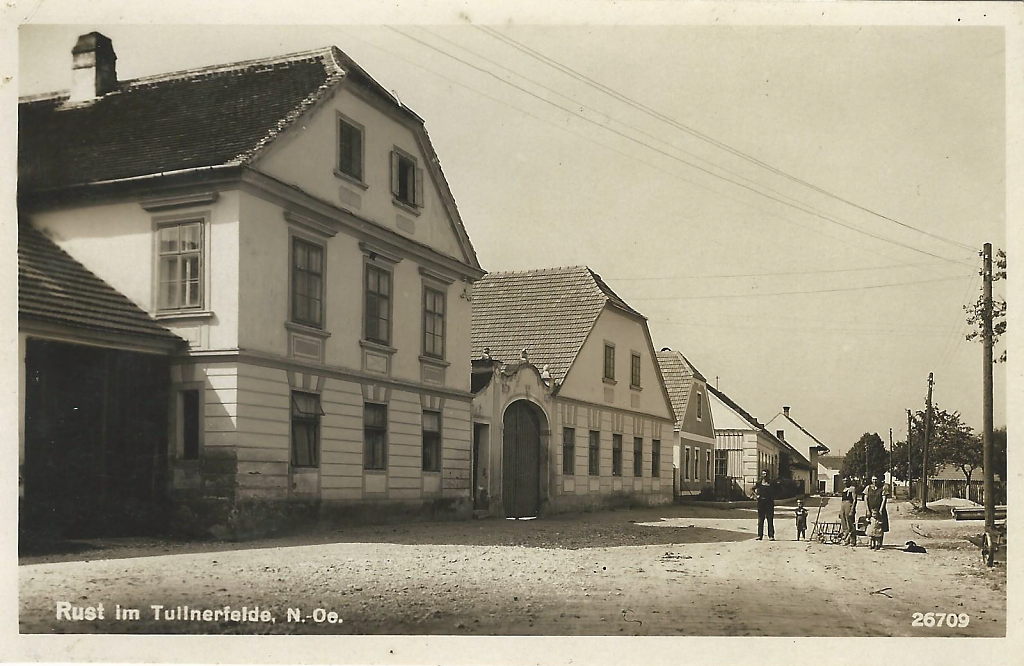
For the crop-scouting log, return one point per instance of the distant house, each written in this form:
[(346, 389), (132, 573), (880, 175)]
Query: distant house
[(744, 448), (829, 469), (570, 409), (950, 481), (787, 429), (694, 431), (288, 219)]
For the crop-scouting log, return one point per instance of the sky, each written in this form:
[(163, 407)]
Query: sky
[(798, 209)]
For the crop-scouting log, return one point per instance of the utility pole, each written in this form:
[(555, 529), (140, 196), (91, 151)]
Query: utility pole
[(891, 485), (990, 503), (910, 457), (927, 436)]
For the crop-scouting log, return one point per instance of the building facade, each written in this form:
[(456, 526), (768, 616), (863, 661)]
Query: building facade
[(788, 430), (289, 219), (570, 409), (693, 437)]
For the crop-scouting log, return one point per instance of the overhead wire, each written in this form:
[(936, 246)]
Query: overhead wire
[(749, 275), (669, 155), (699, 135)]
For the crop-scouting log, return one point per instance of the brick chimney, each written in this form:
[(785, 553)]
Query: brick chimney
[(93, 67), (785, 410)]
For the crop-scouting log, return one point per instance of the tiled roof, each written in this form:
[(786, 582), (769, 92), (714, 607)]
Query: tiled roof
[(679, 375), (546, 312), (832, 462), (55, 288), (213, 116)]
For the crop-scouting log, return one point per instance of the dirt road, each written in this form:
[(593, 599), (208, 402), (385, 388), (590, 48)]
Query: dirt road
[(681, 570)]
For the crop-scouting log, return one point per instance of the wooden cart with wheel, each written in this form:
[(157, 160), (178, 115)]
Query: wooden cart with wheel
[(828, 532)]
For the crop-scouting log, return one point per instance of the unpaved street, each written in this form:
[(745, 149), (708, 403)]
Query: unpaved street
[(680, 570)]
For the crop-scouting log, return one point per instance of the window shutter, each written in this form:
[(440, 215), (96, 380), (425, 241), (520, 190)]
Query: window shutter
[(419, 187), (394, 173)]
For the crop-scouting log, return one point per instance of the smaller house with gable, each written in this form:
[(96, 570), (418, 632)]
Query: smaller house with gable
[(570, 410), (797, 436), (693, 440), (744, 448)]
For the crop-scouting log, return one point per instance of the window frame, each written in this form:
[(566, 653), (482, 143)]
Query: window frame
[(360, 179), (304, 418), (656, 458), (616, 454), (179, 420), (638, 457), (367, 462), (594, 453), (686, 464), (707, 466), (724, 460), (609, 362), (369, 266), (634, 369), (437, 444), (700, 402), (161, 222), (415, 200), (443, 293), (295, 239), (568, 451)]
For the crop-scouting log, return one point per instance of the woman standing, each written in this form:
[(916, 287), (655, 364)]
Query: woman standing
[(848, 512), (876, 496)]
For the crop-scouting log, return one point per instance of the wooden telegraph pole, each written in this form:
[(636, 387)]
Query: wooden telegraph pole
[(927, 436), (892, 486), (990, 506), (910, 457)]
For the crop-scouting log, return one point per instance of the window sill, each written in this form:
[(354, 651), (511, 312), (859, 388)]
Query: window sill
[(308, 330), (374, 471), (634, 387), (183, 314), (606, 380), (377, 346), (352, 180), (431, 360), (432, 471), (412, 209)]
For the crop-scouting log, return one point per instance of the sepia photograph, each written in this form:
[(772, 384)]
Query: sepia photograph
[(625, 325)]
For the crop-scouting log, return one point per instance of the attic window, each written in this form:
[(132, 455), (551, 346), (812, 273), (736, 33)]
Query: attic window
[(350, 149), (406, 179)]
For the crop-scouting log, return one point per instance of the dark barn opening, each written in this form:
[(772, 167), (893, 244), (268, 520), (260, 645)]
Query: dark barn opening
[(96, 424)]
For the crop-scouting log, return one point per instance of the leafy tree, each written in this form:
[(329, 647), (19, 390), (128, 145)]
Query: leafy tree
[(999, 452), (868, 454), (977, 309)]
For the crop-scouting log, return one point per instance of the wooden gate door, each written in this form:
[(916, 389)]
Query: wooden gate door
[(520, 462)]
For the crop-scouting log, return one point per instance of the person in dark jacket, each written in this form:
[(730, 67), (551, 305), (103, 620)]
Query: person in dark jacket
[(765, 491)]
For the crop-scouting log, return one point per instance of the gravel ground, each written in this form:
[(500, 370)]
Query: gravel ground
[(678, 570)]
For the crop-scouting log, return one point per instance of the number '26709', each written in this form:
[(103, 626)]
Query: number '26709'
[(940, 620)]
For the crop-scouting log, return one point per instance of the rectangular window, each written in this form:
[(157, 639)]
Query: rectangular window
[(721, 463), (433, 323), (378, 305), (609, 361), (350, 149), (707, 465), (696, 463), (594, 453), (180, 252), (431, 441), (307, 283), (375, 436), (616, 455), (686, 464), (406, 179), (634, 369), (638, 456), (699, 404), (306, 414), (568, 451), (655, 457), (190, 425)]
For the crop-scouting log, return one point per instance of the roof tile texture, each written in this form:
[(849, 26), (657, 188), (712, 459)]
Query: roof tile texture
[(53, 287)]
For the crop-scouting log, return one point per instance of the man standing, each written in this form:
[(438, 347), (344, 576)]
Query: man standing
[(848, 512), (765, 492)]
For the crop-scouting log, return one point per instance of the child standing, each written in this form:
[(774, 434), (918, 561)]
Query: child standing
[(875, 530), (801, 520)]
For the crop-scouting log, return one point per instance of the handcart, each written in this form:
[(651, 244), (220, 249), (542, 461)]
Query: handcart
[(828, 532)]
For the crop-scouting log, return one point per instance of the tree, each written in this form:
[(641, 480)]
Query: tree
[(954, 443), (999, 452), (867, 455), (976, 310)]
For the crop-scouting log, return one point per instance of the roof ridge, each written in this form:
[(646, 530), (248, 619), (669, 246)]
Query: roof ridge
[(324, 52), (539, 271)]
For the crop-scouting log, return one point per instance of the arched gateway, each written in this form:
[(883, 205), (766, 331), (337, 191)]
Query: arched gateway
[(523, 424)]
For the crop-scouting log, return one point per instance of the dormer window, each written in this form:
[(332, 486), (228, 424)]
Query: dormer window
[(406, 179)]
